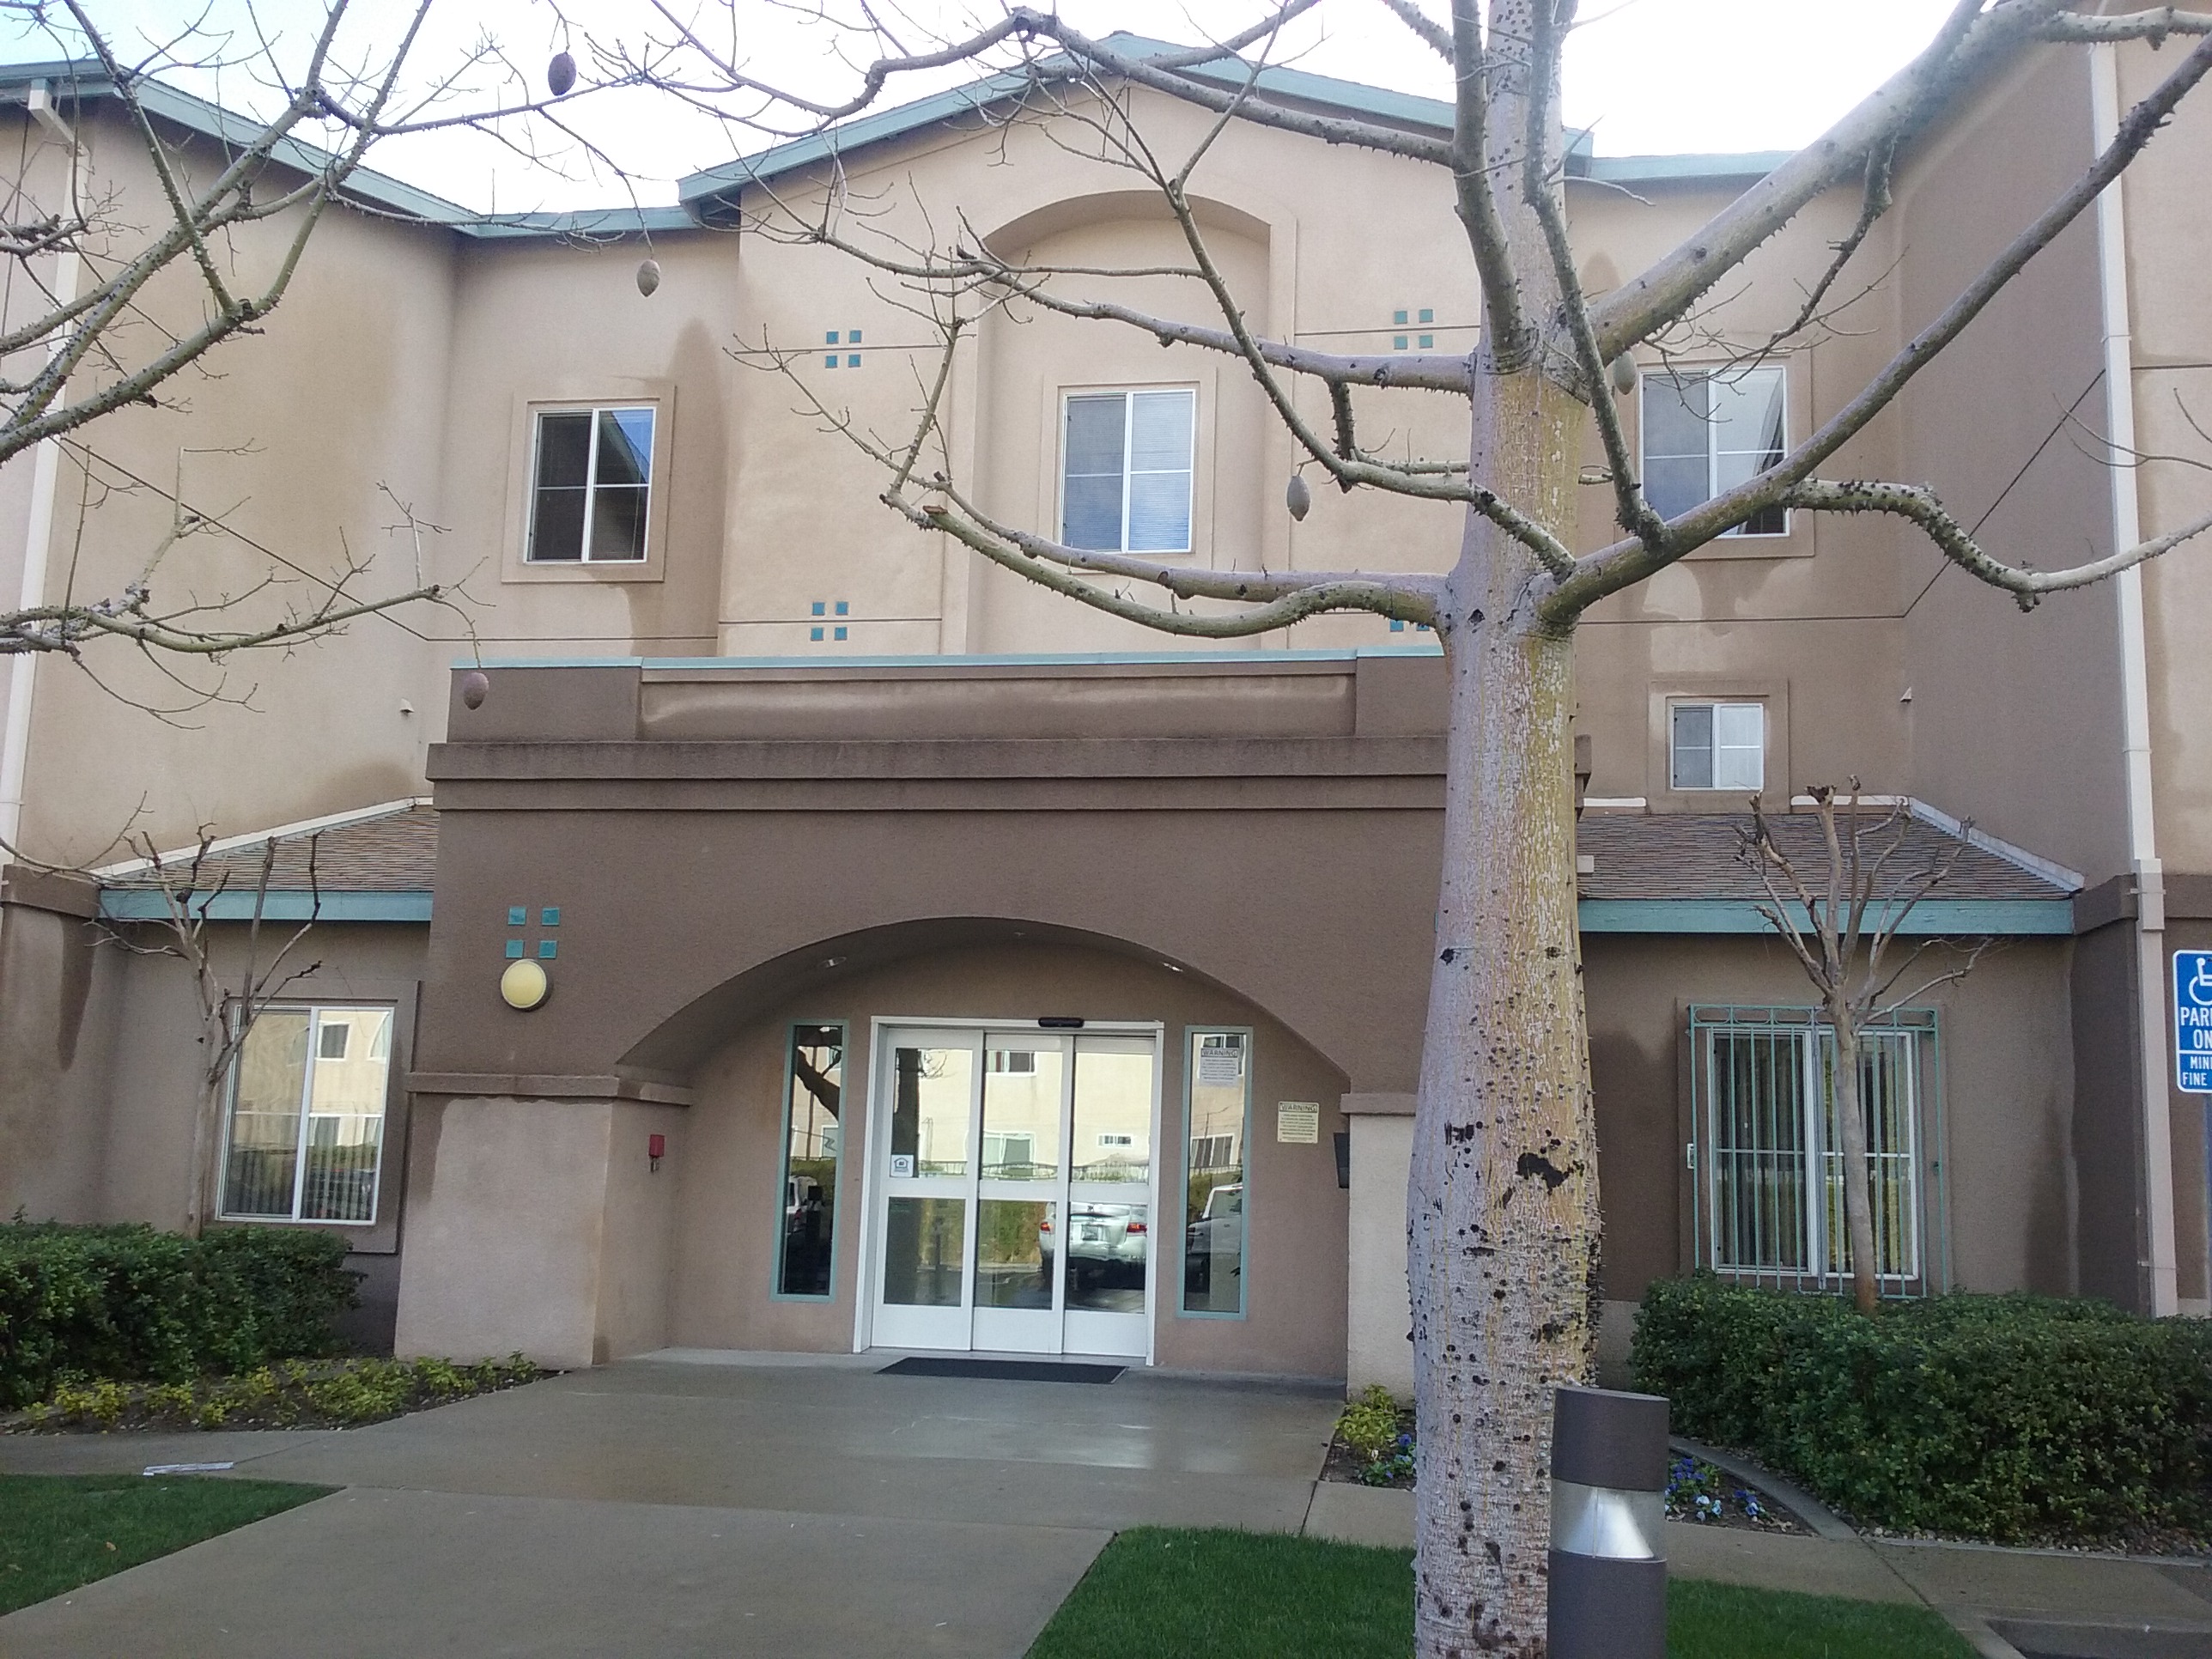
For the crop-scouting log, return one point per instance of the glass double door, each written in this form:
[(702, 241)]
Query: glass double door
[(1016, 1173)]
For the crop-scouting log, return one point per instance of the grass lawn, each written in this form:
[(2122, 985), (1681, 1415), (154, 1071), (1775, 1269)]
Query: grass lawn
[(1252, 1595), (57, 1532)]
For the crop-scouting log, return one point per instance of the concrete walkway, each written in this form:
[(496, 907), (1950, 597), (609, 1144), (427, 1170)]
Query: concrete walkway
[(733, 1505), (746, 1506)]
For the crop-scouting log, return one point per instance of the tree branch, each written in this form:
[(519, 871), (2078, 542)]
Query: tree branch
[(2152, 25), (1922, 506), (1625, 564), (1973, 45)]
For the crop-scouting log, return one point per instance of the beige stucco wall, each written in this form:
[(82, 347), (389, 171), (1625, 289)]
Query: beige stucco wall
[(2004, 703)]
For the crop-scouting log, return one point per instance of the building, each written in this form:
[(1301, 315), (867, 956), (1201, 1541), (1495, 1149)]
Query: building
[(778, 930)]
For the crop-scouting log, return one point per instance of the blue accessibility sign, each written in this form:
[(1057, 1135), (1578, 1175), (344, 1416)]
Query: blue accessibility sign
[(2192, 1021)]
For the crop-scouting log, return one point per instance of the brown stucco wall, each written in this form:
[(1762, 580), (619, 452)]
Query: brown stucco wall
[(2007, 1099), (58, 1002)]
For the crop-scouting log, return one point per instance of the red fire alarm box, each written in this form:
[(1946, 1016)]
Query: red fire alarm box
[(656, 1147)]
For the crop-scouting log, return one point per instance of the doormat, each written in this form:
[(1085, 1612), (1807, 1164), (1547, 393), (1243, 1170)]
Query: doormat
[(1003, 1370)]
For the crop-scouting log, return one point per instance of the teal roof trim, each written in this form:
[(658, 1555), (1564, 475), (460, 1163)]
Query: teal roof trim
[(1678, 169), (1946, 918), (147, 904), (1380, 104), (84, 80)]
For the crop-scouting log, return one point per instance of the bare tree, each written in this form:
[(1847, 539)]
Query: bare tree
[(193, 885), (1503, 1232), (86, 342), (1841, 915)]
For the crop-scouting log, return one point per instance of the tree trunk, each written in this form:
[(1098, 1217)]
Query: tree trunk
[(1502, 1201), (1850, 1133)]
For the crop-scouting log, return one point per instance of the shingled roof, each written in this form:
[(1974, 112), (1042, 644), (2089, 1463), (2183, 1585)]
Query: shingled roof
[(1649, 872), (377, 865), (1698, 855)]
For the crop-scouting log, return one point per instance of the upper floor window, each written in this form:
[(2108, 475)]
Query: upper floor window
[(304, 1135), (1705, 431), (590, 479), (1716, 745), (1125, 477)]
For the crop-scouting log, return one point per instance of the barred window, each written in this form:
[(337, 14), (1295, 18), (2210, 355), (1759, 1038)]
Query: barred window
[(1768, 1156)]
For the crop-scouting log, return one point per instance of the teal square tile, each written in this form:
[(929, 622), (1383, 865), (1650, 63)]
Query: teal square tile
[(548, 949), (550, 916), (514, 947), (517, 915)]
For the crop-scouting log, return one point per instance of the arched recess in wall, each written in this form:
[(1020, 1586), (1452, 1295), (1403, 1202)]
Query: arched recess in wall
[(673, 1052), (1005, 431)]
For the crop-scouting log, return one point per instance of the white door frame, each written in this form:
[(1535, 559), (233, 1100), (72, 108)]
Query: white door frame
[(868, 1279)]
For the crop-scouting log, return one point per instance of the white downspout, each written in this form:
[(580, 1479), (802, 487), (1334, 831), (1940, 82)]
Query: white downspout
[(37, 540), (2135, 703)]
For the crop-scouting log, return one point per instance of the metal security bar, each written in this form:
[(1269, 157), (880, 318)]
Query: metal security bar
[(1765, 1155)]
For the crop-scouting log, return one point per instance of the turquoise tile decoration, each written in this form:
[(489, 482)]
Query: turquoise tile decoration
[(813, 633), (817, 607), (1397, 343), (1427, 315), (830, 339), (837, 633), (853, 337), (1427, 340), (1399, 317), (550, 916), (853, 360), (517, 915), (829, 359), (513, 948), (548, 949), (844, 607)]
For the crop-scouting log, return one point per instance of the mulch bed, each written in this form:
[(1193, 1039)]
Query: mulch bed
[(338, 1394), (1697, 1492)]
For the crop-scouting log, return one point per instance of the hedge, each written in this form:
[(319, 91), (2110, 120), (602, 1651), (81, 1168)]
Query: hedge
[(130, 1303), (2014, 1419)]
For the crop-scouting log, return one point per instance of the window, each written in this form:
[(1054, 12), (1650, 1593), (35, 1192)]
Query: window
[(1218, 1089), (590, 481), (1708, 430), (1716, 745), (1125, 470), (304, 1140), (812, 1134), (1768, 1155)]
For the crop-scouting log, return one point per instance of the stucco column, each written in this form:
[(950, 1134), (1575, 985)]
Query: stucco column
[(537, 1226), (1379, 1316)]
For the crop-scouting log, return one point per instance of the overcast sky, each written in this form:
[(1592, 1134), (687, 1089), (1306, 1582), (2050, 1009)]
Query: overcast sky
[(1650, 75)]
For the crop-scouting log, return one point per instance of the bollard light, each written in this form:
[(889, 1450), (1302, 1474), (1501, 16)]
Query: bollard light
[(1608, 1563)]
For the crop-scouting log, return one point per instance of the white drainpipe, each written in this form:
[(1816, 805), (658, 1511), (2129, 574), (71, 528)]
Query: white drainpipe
[(2134, 701), (38, 539), (23, 667)]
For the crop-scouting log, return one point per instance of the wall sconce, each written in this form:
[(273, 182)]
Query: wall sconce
[(524, 985)]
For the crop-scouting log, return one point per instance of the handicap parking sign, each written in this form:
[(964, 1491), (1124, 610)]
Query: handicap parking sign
[(2192, 1021)]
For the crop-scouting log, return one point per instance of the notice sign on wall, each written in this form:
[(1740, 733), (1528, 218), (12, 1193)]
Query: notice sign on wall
[(2192, 1021), (1299, 1120)]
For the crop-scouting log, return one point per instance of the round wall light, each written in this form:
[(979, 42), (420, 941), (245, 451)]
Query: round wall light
[(523, 984)]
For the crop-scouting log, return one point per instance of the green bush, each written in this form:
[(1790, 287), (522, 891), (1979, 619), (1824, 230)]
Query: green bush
[(2007, 1418), (128, 1302)]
